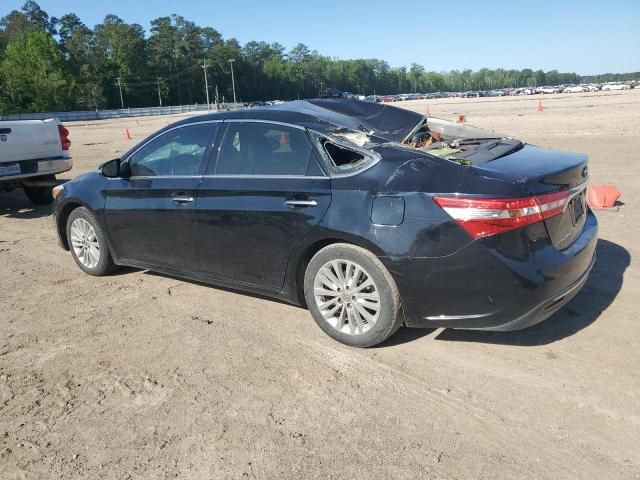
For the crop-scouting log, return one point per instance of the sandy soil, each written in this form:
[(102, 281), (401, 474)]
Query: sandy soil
[(140, 376)]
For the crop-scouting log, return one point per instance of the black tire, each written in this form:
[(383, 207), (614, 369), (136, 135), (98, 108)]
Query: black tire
[(41, 195), (390, 314), (105, 263)]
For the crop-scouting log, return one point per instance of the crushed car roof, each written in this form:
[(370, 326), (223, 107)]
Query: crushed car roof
[(333, 116)]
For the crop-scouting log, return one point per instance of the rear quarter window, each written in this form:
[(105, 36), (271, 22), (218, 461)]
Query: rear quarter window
[(341, 158)]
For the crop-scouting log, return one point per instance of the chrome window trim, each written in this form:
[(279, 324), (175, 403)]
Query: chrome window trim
[(144, 177), (259, 120), (288, 177)]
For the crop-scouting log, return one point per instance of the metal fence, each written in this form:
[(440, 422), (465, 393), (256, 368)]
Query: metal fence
[(120, 113)]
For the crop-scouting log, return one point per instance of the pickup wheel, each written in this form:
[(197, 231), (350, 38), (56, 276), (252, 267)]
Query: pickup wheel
[(88, 243), (40, 195)]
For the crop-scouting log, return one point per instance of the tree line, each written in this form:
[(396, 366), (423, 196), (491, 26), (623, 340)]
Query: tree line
[(59, 64)]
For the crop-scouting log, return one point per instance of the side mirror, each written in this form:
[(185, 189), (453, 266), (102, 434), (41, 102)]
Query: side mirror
[(115, 168), (111, 169)]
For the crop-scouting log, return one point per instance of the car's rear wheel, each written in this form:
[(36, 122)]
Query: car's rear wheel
[(352, 296), (88, 243), (40, 195)]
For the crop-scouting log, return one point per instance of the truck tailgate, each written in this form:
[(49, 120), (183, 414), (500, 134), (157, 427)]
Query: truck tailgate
[(29, 140)]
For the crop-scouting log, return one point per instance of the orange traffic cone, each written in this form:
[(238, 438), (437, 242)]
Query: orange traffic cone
[(539, 105), (462, 118), (603, 196), (127, 135)]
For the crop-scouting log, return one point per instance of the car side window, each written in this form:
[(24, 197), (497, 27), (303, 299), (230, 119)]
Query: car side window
[(257, 148), (177, 152)]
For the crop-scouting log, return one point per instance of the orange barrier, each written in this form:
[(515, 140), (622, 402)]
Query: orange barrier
[(539, 105), (602, 196)]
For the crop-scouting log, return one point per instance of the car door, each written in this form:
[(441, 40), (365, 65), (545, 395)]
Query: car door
[(150, 214), (262, 195)]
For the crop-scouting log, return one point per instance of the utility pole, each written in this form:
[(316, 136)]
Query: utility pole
[(206, 83), (217, 101), (121, 99), (159, 96), (233, 82)]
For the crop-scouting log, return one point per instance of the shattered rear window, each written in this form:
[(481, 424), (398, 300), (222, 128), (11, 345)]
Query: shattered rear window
[(341, 159)]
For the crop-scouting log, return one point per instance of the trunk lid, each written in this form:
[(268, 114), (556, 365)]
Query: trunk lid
[(541, 171)]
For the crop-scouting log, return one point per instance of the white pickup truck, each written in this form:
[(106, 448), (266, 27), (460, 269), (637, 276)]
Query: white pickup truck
[(32, 152)]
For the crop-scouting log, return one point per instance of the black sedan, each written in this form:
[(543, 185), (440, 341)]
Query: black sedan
[(370, 215)]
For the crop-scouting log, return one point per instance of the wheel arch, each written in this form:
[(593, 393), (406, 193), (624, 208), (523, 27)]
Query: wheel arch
[(62, 220)]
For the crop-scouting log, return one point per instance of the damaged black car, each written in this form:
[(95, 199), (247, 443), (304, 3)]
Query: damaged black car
[(370, 216)]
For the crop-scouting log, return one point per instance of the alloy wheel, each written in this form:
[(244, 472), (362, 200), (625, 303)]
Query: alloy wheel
[(85, 243), (347, 297)]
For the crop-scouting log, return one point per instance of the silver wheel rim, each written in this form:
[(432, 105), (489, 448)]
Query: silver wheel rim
[(347, 297), (85, 243)]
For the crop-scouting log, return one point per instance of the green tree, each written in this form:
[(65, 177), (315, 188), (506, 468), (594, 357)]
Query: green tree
[(34, 76)]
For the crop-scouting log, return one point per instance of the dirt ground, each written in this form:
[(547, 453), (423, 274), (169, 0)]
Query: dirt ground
[(141, 376)]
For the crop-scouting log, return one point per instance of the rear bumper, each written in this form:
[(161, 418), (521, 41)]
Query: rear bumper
[(37, 168), (545, 309), (494, 283)]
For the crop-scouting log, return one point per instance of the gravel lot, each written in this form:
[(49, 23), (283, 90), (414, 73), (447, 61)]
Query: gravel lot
[(142, 376)]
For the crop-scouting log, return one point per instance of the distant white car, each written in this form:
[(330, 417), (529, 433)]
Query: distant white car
[(616, 86), (575, 89), (549, 90)]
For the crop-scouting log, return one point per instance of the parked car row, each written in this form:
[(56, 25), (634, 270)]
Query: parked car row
[(548, 89)]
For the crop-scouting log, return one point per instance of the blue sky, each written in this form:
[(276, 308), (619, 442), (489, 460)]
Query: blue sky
[(575, 36)]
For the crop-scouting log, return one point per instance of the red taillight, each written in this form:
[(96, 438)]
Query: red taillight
[(488, 216), (64, 137)]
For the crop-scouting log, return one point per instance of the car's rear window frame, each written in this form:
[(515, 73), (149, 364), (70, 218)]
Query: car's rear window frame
[(325, 158)]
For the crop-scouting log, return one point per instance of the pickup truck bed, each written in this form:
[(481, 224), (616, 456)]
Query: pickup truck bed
[(32, 152)]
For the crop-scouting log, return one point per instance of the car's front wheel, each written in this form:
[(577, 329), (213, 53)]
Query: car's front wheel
[(88, 243), (352, 296)]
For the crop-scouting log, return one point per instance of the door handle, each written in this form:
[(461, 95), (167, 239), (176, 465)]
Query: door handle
[(181, 198), (301, 203)]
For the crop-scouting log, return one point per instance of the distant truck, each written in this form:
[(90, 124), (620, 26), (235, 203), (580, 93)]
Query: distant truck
[(32, 152)]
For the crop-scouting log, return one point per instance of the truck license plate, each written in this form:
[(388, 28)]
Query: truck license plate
[(13, 169)]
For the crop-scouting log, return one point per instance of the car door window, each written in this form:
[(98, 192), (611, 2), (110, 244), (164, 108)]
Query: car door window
[(177, 152), (257, 148)]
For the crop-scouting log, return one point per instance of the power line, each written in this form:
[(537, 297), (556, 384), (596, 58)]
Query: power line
[(153, 82)]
